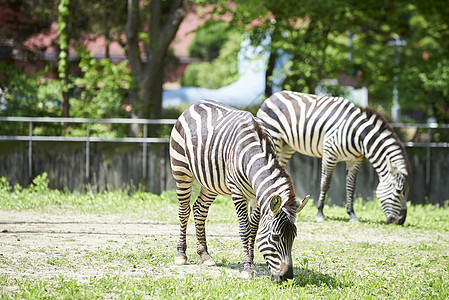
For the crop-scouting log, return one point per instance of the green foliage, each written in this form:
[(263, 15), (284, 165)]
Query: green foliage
[(26, 95), (208, 40), (63, 14), (101, 92), (38, 196), (314, 35), (310, 34), (221, 71), (103, 87)]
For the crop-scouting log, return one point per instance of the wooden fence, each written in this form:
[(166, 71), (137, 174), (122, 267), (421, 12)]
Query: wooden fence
[(76, 162)]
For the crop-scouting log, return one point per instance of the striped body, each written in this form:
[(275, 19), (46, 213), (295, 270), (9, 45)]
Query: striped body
[(337, 130), (230, 153)]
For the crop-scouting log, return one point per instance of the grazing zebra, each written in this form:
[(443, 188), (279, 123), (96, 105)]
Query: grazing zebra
[(230, 153), (336, 130)]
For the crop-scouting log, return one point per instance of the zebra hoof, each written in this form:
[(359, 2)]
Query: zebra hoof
[(319, 219), (208, 262), (180, 260), (248, 274), (354, 220)]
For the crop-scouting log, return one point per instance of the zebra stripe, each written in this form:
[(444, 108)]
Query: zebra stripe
[(229, 152), (336, 130)]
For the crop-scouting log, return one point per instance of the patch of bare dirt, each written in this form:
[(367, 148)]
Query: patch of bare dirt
[(42, 245)]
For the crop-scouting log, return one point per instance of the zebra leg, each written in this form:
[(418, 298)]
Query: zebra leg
[(327, 169), (254, 226), (200, 210), (352, 168), (241, 206), (183, 190)]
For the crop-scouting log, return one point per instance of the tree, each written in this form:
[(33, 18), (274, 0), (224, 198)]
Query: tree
[(308, 33), (20, 19), (63, 57), (218, 45), (425, 74), (76, 20), (149, 32), (106, 18), (314, 36)]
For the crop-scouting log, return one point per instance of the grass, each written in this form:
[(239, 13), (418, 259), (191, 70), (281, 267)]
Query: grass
[(332, 260)]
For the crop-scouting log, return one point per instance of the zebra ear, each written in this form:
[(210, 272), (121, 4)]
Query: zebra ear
[(302, 203), (275, 204)]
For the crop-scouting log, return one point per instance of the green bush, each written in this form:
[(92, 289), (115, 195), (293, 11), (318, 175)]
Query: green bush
[(220, 72), (209, 39), (100, 92), (103, 88), (27, 94)]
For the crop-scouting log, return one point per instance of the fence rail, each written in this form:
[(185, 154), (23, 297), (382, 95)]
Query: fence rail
[(87, 139), (145, 140), (430, 127), (86, 120)]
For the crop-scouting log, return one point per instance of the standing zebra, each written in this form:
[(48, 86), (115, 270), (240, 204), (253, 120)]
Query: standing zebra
[(336, 130), (230, 153)]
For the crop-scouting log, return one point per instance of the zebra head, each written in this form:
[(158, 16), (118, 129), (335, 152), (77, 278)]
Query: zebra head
[(275, 237), (392, 193)]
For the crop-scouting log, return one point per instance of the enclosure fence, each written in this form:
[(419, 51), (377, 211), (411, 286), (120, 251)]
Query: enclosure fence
[(428, 144), (30, 138)]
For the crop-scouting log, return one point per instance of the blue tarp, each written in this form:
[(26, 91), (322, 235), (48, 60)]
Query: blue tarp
[(247, 90)]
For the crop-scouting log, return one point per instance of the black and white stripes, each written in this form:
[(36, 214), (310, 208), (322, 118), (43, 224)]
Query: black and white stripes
[(229, 152), (336, 130)]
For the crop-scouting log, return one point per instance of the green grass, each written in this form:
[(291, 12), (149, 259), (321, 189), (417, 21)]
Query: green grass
[(332, 260)]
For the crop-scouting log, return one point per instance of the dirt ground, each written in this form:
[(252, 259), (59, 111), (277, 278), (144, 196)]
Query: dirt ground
[(42, 245)]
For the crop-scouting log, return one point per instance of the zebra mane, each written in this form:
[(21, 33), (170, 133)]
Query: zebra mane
[(290, 206), (386, 127)]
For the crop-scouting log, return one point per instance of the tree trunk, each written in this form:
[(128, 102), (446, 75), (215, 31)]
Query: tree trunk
[(65, 105), (164, 21), (269, 74), (150, 94), (108, 42)]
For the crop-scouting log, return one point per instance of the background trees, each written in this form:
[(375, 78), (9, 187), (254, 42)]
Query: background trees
[(312, 35), (154, 25), (217, 44)]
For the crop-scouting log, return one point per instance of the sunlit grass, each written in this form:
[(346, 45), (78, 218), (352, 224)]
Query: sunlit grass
[(332, 260)]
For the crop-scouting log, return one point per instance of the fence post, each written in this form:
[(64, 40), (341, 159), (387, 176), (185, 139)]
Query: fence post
[(87, 151), (144, 152), (30, 151), (163, 184), (429, 140)]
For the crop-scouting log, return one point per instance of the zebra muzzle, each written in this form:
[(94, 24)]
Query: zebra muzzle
[(398, 220), (286, 272)]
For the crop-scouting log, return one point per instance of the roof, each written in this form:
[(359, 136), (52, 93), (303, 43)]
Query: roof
[(97, 44)]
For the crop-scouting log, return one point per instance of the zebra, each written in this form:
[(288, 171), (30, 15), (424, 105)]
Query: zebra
[(336, 130), (229, 152)]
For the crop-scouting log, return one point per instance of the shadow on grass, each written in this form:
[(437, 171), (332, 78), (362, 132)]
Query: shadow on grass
[(307, 277), (363, 221), (341, 219), (303, 276)]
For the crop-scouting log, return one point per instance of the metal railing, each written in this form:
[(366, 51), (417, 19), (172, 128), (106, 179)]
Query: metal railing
[(428, 145), (430, 127), (145, 140)]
